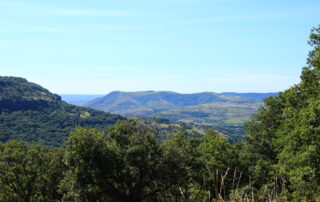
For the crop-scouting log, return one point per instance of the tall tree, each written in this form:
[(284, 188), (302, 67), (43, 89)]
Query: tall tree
[(283, 143), (126, 165)]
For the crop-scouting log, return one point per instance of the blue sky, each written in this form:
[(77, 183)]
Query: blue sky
[(97, 46)]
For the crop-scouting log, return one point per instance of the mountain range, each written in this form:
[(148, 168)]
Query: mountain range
[(205, 108), (31, 113)]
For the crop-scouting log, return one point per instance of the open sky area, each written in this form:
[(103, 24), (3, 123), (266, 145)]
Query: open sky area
[(98, 46)]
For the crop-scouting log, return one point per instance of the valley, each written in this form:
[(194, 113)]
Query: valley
[(226, 112)]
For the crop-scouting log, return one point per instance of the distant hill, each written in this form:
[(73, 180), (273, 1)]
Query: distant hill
[(78, 99), (31, 113), (144, 103), (224, 110)]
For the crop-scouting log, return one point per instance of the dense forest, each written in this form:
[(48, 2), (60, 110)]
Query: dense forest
[(278, 160), (30, 113)]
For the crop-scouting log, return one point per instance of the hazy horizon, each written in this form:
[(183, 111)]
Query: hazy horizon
[(159, 91)]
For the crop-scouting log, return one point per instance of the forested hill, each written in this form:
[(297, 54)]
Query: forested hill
[(19, 94), (31, 113)]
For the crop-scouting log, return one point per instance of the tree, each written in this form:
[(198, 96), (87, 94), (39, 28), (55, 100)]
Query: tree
[(215, 156), (283, 140), (28, 173), (203, 164), (89, 162), (126, 165)]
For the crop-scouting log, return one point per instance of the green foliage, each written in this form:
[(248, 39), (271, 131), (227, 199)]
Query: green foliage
[(204, 166), (283, 140), (15, 88), (31, 113), (128, 165), (87, 160), (29, 173), (51, 126)]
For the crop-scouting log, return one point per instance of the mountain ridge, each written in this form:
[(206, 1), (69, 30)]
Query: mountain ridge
[(143, 102), (82, 99), (157, 100), (31, 113), (226, 112)]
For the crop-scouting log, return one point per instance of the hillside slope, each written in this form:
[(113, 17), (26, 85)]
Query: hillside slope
[(198, 107), (144, 103), (225, 112), (31, 113)]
